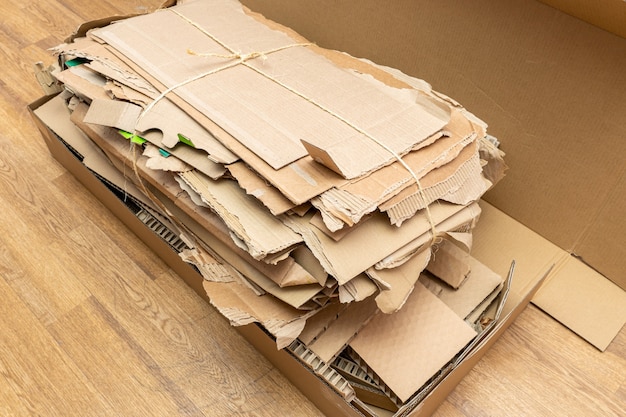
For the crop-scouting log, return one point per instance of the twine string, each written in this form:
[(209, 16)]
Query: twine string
[(239, 58)]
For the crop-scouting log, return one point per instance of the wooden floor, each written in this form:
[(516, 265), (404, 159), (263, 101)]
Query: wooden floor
[(92, 324)]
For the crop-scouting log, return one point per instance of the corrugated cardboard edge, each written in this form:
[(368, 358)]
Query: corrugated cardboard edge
[(584, 301)]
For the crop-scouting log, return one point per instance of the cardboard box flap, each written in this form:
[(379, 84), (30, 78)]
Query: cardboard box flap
[(498, 239), (603, 245), (584, 301)]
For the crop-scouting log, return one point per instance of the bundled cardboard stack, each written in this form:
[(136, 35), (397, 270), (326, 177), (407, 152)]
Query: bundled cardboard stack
[(311, 189)]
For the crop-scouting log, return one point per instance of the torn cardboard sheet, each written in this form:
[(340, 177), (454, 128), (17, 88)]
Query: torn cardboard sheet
[(463, 220), (480, 283), (241, 306), (342, 330), (256, 186), (370, 243), (450, 261), (259, 232), (459, 181), (157, 160), (317, 324), (401, 281), (348, 203), (436, 333), (165, 117)]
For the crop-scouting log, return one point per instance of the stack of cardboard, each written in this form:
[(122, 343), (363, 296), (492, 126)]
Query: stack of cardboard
[(311, 189)]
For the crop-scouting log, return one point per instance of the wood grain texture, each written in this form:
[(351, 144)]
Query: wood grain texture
[(92, 324)]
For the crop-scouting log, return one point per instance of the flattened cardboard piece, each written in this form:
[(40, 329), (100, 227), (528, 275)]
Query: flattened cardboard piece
[(342, 330), (251, 84), (357, 289), (211, 269), (156, 160), (318, 221), (459, 181), (584, 301), (122, 92), (349, 202), (118, 114), (305, 258), (317, 324), (172, 122), (241, 306), (298, 296), (260, 189), (113, 113), (45, 78), (79, 86), (358, 251), (480, 283), (165, 117), (401, 280), (465, 219), (450, 262), (259, 231), (436, 333), (104, 62)]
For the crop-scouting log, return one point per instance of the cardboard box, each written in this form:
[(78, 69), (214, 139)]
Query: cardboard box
[(465, 60), (551, 87), (529, 275)]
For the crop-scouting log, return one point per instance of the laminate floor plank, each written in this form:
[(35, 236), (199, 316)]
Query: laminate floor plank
[(45, 380)]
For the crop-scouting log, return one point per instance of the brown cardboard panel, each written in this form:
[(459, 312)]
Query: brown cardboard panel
[(577, 294), (606, 14), (436, 333), (584, 301), (550, 86)]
